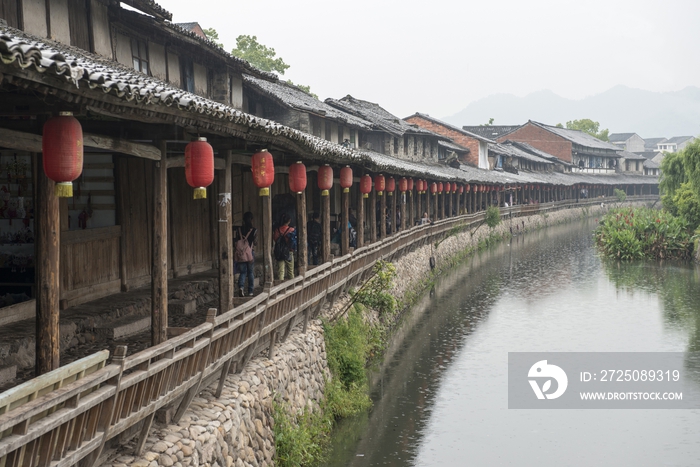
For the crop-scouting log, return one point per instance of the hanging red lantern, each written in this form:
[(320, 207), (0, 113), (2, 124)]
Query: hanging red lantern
[(461, 189), (410, 185), (467, 188), (263, 168), (419, 186), (390, 186), (346, 178), (379, 184), (454, 187), (365, 185), (297, 177), (433, 188), (325, 179), (403, 185), (440, 187), (62, 148), (199, 166)]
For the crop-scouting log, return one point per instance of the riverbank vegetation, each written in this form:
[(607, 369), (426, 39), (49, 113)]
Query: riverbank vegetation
[(351, 341), (627, 233)]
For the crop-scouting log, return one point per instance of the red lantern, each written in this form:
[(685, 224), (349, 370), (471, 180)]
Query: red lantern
[(297, 177), (419, 186), (199, 166), (403, 185), (433, 188), (440, 187), (62, 147), (325, 179), (379, 184), (390, 186), (346, 178), (467, 188), (365, 185), (410, 185), (461, 189), (263, 168)]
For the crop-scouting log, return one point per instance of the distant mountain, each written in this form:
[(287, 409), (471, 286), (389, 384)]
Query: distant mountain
[(620, 109)]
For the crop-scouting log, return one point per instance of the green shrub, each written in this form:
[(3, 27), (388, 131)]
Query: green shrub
[(620, 195), (374, 293), (300, 439), (493, 216), (635, 233)]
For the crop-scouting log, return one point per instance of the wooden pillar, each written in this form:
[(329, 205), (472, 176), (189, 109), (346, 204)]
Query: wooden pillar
[(345, 219), (394, 224), (47, 273), (411, 209), (159, 272), (301, 233), (226, 248), (403, 198), (435, 206), (326, 227), (361, 221), (448, 204), (382, 218), (266, 227), (419, 199), (373, 216)]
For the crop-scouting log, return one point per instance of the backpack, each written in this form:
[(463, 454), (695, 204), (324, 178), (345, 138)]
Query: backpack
[(244, 253), (282, 250)]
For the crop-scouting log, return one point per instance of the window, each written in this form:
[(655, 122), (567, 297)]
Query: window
[(396, 145), (415, 146), (352, 138), (405, 145), (328, 130), (139, 54), (187, 69)]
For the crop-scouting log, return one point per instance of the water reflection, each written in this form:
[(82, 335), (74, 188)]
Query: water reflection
[(440, 393)]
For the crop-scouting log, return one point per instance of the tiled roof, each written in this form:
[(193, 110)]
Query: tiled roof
[(620, 137), (509, 149), (380, 118), (650, 143), (293, 97), (451, 127), (648, 154), (632, 156), (538, 152), (106, 77), (150, 7), (679, 139), (649, 164), (452, 146), (490, 131), (577, 137)]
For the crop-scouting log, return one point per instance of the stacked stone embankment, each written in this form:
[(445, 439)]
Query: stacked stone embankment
[(236, 429)]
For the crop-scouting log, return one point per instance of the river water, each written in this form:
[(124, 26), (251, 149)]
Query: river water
[(440, 393)]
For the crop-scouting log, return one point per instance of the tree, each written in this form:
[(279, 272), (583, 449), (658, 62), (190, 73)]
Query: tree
[(306, 89), (588, 126), (680, 183), (489, 123), (260, 56), (213, 36)]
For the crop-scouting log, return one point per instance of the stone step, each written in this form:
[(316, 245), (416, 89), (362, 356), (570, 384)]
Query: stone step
[(182, 307), (125, 327)]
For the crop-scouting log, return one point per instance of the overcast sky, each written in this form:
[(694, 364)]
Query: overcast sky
[(436, 56)]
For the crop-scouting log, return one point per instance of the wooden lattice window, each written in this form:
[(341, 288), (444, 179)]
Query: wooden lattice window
[(139, 54)]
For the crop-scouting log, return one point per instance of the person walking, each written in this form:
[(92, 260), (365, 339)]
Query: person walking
[(285, 239), (245, 254)]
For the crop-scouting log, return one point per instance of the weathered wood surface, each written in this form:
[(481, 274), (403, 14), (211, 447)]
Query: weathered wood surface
[(31, 142), (47, 274), (159, 279), (226, 246), (72, 423)]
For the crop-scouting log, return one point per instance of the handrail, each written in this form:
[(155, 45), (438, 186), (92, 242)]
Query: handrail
[(72, 423)]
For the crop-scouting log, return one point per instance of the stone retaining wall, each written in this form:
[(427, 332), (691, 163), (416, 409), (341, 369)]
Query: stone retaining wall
[(236, 429)]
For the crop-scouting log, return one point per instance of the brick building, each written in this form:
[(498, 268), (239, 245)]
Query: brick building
[(477, 145)]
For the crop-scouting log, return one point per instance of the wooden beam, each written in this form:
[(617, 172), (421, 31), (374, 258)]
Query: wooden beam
[(226, 248), (267, 241), (344, 221), (326, 227), (159, 273), (47, 272), (179, 161), (361, 221), (30, 142), (373, 216)]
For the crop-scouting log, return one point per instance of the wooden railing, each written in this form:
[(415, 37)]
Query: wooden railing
[(71, 424)]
